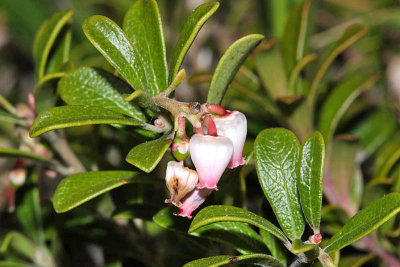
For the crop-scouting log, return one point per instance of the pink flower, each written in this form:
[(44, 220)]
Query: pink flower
[(210, 155), (234, 126), (180, 181), (192, 201)]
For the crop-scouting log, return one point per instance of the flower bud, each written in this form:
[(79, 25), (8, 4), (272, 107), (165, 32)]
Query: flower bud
[(192, 201), (210, 156), (234, 126), (180, 148), (180, 181), (17, 176)]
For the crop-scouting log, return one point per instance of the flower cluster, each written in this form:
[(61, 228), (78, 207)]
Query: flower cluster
[(216, 145)]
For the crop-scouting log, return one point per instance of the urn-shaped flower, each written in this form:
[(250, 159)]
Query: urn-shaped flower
[(210, 155), (234, 126), (192, 201), (180, 181)]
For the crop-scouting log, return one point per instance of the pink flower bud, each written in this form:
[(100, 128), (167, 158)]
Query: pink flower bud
[(210, 156), (234, 126), (180, 148), (180, 181), (17, 176), (192, 201)]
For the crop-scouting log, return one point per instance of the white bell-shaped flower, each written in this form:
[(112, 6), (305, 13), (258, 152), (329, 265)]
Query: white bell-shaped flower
[(180, 181), (234, 126), (192, 201), (210, 155)]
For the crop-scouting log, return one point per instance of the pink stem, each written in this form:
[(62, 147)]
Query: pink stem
[(215, 109), (210, 125)]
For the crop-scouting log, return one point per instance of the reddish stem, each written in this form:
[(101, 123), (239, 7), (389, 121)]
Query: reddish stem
[(210, 125), (181, 131), (215, 109)]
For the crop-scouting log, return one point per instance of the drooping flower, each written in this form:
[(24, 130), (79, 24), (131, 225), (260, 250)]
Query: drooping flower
[(210, 155), (17, 176), (234, 126), (192, 201), (180, 181)]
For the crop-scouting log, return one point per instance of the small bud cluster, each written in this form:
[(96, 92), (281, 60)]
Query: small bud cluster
[(215, 146)]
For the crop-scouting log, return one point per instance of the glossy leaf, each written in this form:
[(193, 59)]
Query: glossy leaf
[(293, 39), (277, 151), (299, 246), (213, 214), (115, 46), (274, 245), (17, 153), (46, 92), (238, 235), (339, 100), (29, 215), (365, 221), (270, 67), (229, 64), (256, 259), (147, 155), (142, 25), (189, 32), (70, 116), (311, 172), (349, 37), (82, 187), (45, 39), (96, 87)]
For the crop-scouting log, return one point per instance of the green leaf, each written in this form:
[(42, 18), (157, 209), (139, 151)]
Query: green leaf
[(298, 246), (256, 259), (311, 173), (59, 54), (213, 214), (375, 130), (29, 215), (8, 118), (238, 235), (365, 221), (70, 116), (349, 37), (339, 101), (141, 98), (229, 64), (115, 46), (277, 151), (293, 39), (82, 187), (189, 32), (12, 152), (270, 67), (45, 39), (274, 246), (96, 87), (147, 155), (142, 25), (46, 92)]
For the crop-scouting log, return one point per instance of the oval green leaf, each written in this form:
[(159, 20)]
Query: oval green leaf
[(189, 32), (71, 116), (96, 87), (311, 173), (229, 64), (142, 25), (147, 155), (213, 214), (365, 221), (115, 46), (256, 259), (277, 151), (339, 100), (80, 188), (59, 54), (45, 39)]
